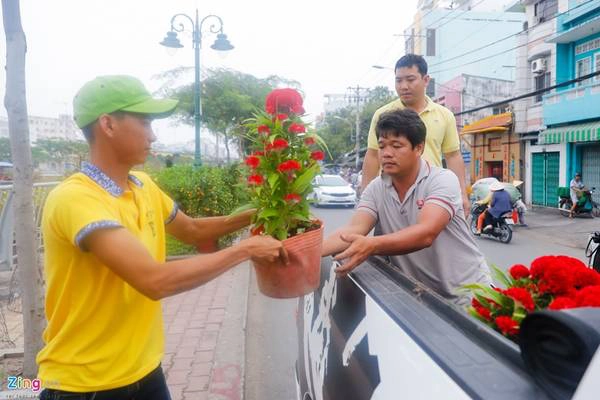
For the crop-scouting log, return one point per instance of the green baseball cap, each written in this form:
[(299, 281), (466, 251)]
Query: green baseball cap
[(110, 93)]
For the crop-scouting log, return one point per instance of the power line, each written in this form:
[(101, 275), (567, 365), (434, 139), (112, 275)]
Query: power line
[(531, 94), (505, 38), (464, 12), (488, 57)]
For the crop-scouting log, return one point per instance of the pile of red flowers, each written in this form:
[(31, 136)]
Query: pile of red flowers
[(283, 161), (553, 282)]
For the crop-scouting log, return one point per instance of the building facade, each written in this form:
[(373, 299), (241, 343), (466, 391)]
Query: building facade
[(536, 70), (496, 150), (572, 113), (446, 33), (62, 127), (561, 127)]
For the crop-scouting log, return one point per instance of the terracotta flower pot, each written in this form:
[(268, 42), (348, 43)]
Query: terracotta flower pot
[(301, 276), (208, 246)]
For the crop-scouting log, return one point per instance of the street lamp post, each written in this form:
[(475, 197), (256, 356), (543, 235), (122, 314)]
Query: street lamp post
[(220, 44)]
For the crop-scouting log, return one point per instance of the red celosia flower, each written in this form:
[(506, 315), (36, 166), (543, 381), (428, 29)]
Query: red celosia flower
[(519, 271), (481, 310), (252, 161), (588, 297), (522, 296), (278, 144), (289, 165), (309, 140), (553, 274), (297, 128), (255, 180), (282, 117), (284, 101), (584, 276), (293, 197), (539, 264), (561, 303), (264, 129), (257, 230), (317, 155), (258, 153), (507, 325)]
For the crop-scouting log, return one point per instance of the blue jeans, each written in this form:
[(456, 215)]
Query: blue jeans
[(151, 387)]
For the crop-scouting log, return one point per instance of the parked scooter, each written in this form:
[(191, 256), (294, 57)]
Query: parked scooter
[(591, 251), (501, 229), (586, 206)]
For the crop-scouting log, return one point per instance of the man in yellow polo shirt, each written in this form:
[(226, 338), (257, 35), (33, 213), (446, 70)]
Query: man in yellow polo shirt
[(104, 233), (442, 136)]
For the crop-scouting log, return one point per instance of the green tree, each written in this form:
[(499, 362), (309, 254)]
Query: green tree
[(228, 98), (30, 275), (5, 154), (60, 150), (338, 129)]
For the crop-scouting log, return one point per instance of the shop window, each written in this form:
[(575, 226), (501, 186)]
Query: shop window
[(431, 42), (545, 10), (541, 82), (583, 67), (494, 145)]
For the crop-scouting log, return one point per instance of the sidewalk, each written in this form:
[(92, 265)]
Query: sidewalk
[(549, 225), (205, 339)]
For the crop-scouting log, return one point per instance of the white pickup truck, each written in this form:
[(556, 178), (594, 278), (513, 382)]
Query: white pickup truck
[(378, 334)]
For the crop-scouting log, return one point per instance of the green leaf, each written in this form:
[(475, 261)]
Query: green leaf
[(483, 300), (243, 208), (300, 217), (273, 181), (267, 213), (500, 276), (303, 181)]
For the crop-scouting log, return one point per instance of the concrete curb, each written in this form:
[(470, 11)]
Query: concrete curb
[(227, 377)]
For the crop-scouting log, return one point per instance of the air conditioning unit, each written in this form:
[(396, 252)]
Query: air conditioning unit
[(538, 66)]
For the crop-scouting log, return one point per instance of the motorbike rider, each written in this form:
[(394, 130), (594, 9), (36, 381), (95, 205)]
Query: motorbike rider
[(500, 204), (576, 190)]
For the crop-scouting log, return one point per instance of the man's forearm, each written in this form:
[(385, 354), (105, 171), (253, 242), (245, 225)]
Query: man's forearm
[(334, 244), (181, 275), (209, 228), (455, 163), (407, 240), (370, 168)]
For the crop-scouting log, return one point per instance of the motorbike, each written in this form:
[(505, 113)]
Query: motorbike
[(501, 228), (586, 206), (591, 251)]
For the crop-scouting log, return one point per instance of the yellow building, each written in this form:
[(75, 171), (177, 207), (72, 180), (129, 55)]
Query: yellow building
[(495, 148)]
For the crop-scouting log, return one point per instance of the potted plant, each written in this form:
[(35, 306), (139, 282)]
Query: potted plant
[(552, 282), (283, 162)]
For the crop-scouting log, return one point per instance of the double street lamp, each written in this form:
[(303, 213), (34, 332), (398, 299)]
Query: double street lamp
[(220, 44)]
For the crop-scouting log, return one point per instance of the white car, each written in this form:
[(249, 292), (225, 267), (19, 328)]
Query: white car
[(332, 190)]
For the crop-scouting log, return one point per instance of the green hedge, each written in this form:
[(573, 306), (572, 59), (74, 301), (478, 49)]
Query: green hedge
[(202, 192)]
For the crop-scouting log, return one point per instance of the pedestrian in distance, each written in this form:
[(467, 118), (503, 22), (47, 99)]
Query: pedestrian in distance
[(104, 233), (415, 208), (411, 81), (576, 187)]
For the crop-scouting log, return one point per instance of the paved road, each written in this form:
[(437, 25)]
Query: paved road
[(271, 332)]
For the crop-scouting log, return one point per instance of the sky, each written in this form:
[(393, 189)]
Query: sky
[(324, 45)]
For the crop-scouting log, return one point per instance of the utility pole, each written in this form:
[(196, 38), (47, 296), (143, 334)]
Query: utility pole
[(357, 95)]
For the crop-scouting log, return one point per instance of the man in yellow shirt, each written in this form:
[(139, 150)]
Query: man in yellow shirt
[(442, 136), (104, 233)]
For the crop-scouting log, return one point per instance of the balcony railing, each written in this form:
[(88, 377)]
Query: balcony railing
[(573, 105)]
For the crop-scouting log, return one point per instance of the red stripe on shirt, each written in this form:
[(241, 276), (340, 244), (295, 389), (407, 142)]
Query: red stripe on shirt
[(368, 208), (443, 201)]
